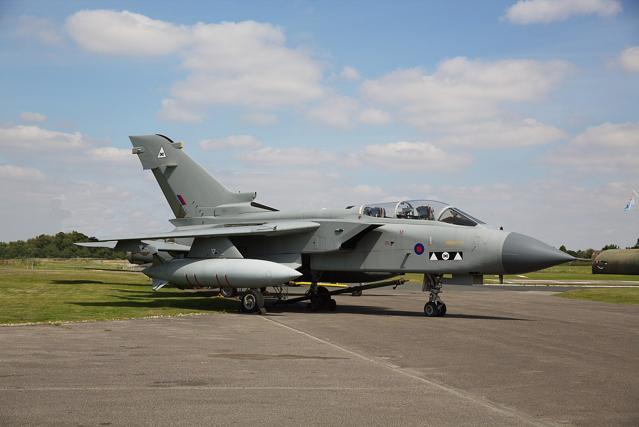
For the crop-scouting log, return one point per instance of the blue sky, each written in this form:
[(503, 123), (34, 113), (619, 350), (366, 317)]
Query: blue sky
[(524, 115)]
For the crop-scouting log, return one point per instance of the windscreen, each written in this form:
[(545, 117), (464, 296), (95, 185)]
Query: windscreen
[(429, 210)]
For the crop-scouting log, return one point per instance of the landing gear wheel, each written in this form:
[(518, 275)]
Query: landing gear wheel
[(430, 309), (228, 292), (248, 303), (441, 308), (321, 300), (357, 293)]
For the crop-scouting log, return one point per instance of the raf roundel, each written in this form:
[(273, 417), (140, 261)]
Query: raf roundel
[(419, 248)]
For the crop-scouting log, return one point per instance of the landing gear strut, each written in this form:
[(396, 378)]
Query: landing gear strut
[(252, 301), (435, 307), (228, 292)]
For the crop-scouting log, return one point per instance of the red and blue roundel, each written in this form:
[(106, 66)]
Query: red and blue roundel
[(419, 248)]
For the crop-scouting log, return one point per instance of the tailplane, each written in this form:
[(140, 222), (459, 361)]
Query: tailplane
[(189, 189)]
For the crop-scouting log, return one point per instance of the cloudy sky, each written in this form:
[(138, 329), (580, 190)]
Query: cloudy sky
[(523, 113)]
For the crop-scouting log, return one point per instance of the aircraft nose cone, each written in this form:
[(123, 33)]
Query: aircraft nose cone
[(523, 254)]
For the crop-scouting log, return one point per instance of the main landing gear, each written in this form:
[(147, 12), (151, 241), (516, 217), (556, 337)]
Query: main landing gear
[(435, 307), (320, 298), (252, 301)]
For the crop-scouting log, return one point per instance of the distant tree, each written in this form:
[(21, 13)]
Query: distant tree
[(59, 246), (568, 251), (610, 246), (578, 253), (636, 246)]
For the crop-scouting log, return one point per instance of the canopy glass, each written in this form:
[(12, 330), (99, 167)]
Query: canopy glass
[(428, 210)]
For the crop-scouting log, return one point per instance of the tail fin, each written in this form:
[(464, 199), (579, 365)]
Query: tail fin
[(189, 189)]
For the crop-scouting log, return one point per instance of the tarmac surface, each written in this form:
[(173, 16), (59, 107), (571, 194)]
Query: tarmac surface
[(499, 357)]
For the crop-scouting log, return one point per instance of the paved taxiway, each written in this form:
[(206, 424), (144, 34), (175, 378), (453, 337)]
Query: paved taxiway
[(498, 358)]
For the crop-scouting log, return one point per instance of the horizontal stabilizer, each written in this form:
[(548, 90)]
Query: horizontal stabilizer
[(158, 245), (109, 245)]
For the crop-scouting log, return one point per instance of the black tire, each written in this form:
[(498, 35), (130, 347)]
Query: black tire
[(332, 305), (442, 310), (357, 293), (430, 309), (248, 303)]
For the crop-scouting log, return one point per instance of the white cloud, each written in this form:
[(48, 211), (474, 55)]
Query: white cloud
[(175, 111), (238, 63), (260, 118), (373, 116), (28, 116), (542, 209), (23, 137), (414, 156), (40, 29), (20, 173), (305, 188), (247, 64), (247, 142), (40, 145), (629, 59), (114, 208), (336, 111), (349, 73), (500, 133), (112, 155), (292, 156), (125, 33), (462, 90), (546, 11), (608, 148)]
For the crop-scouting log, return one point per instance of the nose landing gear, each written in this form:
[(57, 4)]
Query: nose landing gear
[(435, 307)]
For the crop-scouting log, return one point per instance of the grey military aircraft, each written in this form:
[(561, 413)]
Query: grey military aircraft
[(222, 239)]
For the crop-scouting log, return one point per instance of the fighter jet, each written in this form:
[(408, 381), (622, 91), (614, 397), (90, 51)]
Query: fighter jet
[(223, 239)]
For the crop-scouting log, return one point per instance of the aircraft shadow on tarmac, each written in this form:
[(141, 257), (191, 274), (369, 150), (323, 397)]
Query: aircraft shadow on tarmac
[(203, 301), (192, 303), (94, 282), (378, 311), (76, 282)]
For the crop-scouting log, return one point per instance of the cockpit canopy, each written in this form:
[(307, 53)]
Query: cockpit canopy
[(429, 210)]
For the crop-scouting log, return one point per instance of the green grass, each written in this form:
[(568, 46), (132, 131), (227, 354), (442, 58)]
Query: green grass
[(57, 291), (560, 272), (572, 272), (619, 296)]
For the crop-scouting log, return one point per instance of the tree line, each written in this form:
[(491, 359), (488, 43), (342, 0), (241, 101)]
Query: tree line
[(588, 252), (59, 245)]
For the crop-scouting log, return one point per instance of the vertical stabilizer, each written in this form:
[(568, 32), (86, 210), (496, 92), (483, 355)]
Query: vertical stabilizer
[(189, 189)]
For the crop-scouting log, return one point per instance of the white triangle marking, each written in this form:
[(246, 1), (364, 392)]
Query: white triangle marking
[(457, 257), (433, 256), (161, 154)]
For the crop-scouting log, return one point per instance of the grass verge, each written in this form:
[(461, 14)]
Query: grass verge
[(35, 295), (618, 296)]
